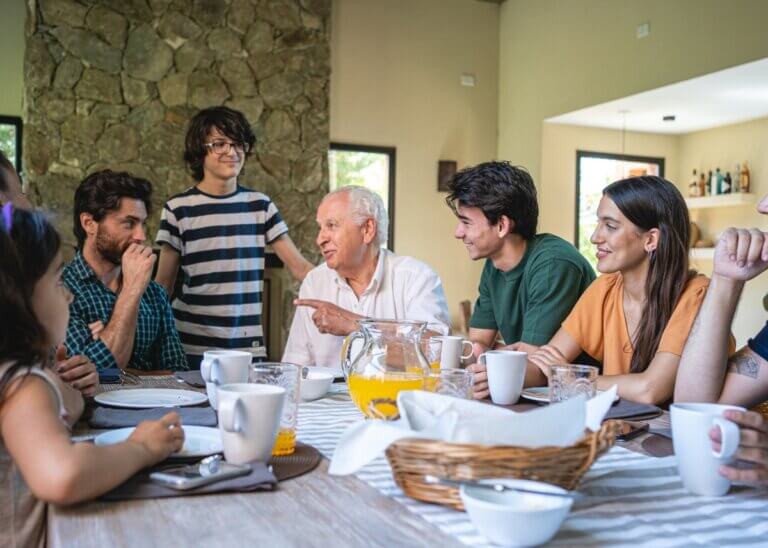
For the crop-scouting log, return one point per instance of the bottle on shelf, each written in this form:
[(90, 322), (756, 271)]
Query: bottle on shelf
[(744, 181), (718, 182), (727, 183), (702, 184), (693, 186), (735, 181), (710, 186)]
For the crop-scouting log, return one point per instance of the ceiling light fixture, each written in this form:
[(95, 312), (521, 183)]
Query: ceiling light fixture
[(623, 113), (669, 118)]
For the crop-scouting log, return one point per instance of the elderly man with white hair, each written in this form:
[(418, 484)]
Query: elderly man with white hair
[(359, 279)]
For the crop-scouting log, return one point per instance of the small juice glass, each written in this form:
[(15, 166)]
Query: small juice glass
[(288, 376)]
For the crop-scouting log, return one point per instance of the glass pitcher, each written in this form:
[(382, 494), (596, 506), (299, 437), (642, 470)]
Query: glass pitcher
[(390, 360)]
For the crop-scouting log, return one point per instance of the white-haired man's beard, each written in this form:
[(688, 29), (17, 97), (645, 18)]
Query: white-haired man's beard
[(109, 248)]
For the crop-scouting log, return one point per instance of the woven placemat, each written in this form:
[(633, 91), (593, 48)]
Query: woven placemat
[(157, 381), (304, 459)]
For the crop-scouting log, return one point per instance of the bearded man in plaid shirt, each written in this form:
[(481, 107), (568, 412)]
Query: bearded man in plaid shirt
[(119, 317)]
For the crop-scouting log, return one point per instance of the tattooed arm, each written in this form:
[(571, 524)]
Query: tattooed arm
[(706, 373), (746, 382), (704, 360), (740, 255)]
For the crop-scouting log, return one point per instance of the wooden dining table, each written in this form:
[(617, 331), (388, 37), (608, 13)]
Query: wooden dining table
[(315, 509)]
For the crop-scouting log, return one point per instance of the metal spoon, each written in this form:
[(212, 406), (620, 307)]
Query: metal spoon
[(498, 487)]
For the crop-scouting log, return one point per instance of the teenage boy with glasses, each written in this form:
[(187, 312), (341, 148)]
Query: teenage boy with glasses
[(216, 232)]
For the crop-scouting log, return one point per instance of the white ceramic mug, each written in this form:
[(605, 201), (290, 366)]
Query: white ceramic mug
[(249, 416), (224, 367), (453, 349), (506, 374), (697, 461)]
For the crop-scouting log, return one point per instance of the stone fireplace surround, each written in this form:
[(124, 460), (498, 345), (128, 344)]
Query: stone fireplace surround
[(113, 83)]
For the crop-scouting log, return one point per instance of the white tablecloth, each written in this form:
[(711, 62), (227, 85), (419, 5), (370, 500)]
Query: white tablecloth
[(632, 500)]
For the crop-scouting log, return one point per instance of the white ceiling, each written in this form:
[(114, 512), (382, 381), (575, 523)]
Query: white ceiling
[(726, 97)]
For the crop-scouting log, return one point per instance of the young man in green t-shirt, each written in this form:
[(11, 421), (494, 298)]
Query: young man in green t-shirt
[(530, 281)]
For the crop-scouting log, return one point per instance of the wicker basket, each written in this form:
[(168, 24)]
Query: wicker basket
[(762, 408), (412, 459)]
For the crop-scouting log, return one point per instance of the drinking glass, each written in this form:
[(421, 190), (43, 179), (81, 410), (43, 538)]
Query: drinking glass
[(432, 349), (568, 381), (451, 382), (288, 376)]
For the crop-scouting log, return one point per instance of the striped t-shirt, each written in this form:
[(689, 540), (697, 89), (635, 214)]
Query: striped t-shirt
[(221, 241)]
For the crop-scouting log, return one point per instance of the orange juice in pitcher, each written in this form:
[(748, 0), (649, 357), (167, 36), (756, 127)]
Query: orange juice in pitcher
[(390, 361), (376, 395)]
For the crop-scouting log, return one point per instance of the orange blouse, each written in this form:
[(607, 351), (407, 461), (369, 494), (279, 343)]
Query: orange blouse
[(598, 325)]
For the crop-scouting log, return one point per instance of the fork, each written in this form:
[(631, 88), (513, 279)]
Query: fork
[(130, 378)]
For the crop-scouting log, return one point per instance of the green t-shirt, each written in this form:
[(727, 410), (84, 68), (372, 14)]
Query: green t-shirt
[(529, 302)]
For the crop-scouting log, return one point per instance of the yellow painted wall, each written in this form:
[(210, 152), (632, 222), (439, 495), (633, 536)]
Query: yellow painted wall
[(557, 184), (557, 56), (724, 147), (11, 56), (395, 75)]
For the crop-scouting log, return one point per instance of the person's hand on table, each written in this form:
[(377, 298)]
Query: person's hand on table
[(521, 347), (479, 376), (330, 318), (159, 438), (545, 356), (77, 371), (753, 447)]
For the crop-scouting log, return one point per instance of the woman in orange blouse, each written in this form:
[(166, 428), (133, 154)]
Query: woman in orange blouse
[(636, 317)]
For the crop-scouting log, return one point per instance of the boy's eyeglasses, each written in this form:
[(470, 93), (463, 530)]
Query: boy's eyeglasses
[(225, 147)]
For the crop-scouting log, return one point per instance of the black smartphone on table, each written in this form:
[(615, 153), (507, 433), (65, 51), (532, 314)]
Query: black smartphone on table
[(190, 476)]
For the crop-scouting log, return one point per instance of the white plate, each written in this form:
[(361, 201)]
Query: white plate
[(199, 441), (541, 394), (147, 398)]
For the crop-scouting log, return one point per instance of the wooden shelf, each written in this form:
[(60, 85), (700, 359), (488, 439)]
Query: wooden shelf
[(702, 253), (722, 200)]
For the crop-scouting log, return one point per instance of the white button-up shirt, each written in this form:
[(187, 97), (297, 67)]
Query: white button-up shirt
[(402, 288)]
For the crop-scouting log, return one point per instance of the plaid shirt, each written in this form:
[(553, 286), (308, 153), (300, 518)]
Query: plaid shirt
[(156, 343)]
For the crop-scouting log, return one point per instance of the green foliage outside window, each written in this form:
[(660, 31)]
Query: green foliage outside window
[(8, 142)]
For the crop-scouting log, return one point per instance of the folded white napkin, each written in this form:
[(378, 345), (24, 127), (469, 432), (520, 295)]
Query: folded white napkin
[(427, 415)]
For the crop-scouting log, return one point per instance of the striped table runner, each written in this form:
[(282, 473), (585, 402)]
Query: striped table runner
[(632, 500)]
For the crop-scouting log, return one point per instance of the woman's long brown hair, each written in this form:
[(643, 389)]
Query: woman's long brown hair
[(653, 202), (27, 248)]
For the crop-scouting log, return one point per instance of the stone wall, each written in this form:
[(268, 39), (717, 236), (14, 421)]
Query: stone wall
[(113, 83)]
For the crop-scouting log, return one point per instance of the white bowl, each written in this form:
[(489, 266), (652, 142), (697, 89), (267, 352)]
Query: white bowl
[(316, 384), (512, 518)]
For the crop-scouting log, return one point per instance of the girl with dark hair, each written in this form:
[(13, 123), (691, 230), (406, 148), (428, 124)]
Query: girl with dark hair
[(38, 462), (636, 317)]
